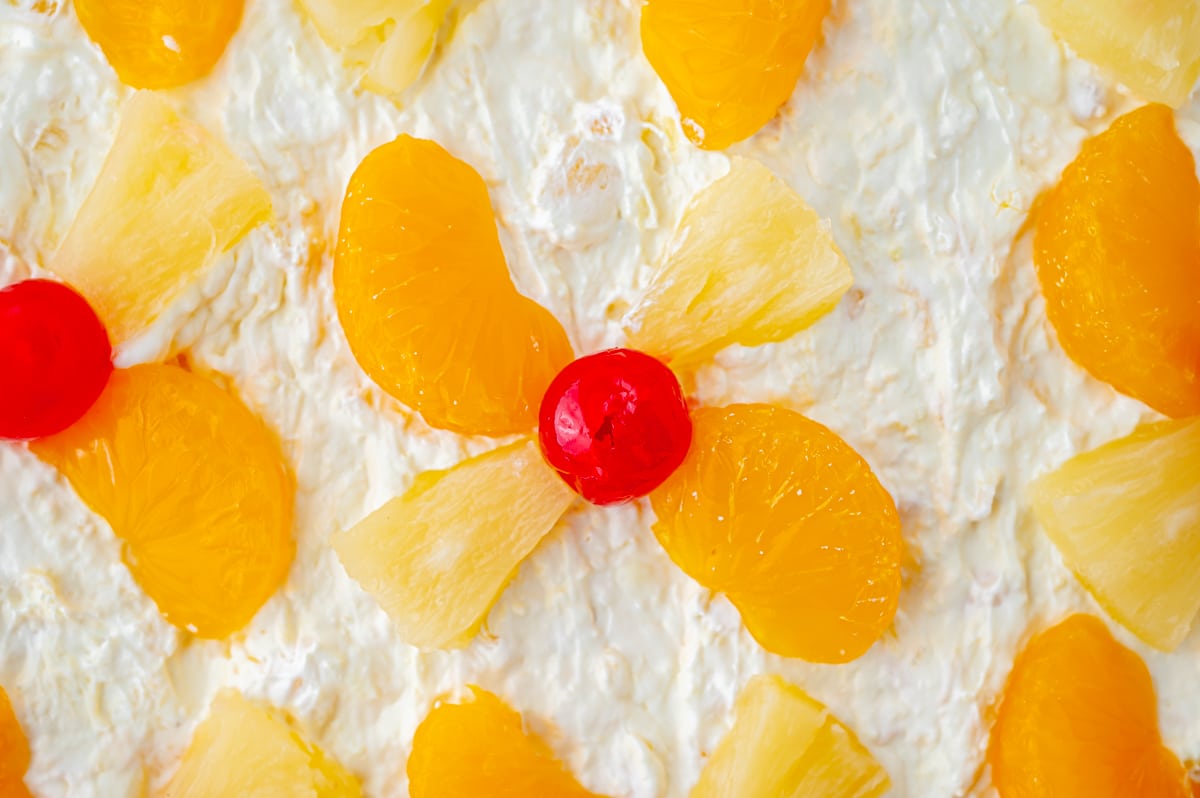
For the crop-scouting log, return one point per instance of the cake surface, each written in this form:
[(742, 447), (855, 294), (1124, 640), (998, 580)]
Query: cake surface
[(923, 131)]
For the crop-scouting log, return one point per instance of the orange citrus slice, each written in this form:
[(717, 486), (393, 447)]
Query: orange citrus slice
[(1079, 719), (14, 752), (159, 44), (194, 486), (425, 298), (1117, 249), (730, 64), (481, 749), (787, 520)]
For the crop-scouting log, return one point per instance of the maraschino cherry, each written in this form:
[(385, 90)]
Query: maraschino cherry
[(615, 425), (55, 358)]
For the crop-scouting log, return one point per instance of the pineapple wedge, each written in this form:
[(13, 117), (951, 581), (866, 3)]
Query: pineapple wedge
[(1126, 518), (170, 198), (437, 558), (1152, 46), (750, 263), (784, 744), (246, 750), (390, 40)]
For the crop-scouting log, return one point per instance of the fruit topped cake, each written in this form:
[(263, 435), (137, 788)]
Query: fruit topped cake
[(620, 398)]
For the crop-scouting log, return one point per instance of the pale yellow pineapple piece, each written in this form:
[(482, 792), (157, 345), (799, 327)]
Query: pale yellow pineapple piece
[(437, 558), (783, 744), (750, 263), (1152, 46), (1126, 518), (246, 750), (390, 40), (170, 198)]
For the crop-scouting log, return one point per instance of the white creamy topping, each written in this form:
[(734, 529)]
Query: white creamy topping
[(923, 130)]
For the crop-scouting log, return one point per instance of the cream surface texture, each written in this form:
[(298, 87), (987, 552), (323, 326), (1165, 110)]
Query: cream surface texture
[(922, 129)]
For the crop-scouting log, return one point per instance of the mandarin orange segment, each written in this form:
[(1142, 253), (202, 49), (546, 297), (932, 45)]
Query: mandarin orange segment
[(159, 44), (14, 752), (1079, 719), (425, 298), (787, 520), (193, 485), (481, 749), (1117, 250), (730, 64)]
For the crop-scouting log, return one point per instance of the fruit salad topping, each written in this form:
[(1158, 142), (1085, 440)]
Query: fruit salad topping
[(430, 312), (615, 425), (55, 358)]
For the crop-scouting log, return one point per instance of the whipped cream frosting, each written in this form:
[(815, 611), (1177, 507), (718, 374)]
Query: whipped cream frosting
[(923, 130)]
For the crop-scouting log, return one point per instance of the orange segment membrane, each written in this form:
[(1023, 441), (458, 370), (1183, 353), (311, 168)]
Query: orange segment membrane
[(730, 64), (481, 749), (193, 485), (160, 44), (425, 298), (1079, 719), (1117, 250), (14, 752), (786, 519)]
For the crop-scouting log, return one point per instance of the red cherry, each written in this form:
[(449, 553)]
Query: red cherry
[(615, 425), (55, 358)]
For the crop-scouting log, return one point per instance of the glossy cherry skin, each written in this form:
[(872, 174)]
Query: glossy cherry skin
[(55, 358), (614, 425)]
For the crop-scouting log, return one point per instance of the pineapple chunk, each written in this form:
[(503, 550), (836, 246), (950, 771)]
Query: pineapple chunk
[(1126, 518), (750, 263), (437, 558), (1152, 46), (250, 751), (170, 198), (784, 744), (390, 40)]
